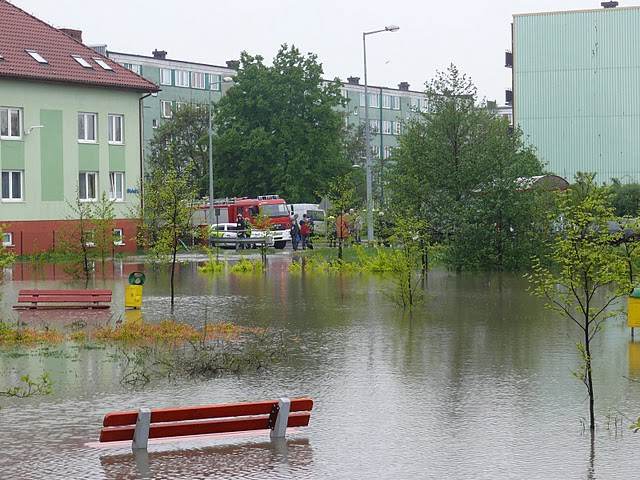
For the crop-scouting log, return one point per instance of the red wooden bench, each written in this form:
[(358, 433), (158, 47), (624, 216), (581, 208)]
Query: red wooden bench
[(145, 423), (32, 299)]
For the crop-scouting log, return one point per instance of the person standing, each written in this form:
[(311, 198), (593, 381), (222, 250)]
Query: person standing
[(295, 232), (305, 231)]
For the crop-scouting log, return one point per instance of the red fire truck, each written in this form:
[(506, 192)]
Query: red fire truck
[(226, 210)]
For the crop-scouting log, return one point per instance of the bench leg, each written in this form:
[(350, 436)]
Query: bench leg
[(141, 433), (279, 429)]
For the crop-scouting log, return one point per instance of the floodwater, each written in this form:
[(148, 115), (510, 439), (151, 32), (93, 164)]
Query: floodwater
[(477, 384)]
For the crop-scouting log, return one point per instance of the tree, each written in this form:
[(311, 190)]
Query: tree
[(587, 271), (103, 216), (187, 134), (168, 207), (79, 238), (341, 195), (458, 165), (278, 130), (410, 235), (7, 257), (626, 198)]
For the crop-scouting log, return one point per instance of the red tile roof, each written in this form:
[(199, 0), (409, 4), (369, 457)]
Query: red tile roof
[(22, 31)]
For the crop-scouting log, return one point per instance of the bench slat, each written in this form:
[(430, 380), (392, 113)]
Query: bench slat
[(202, 427), (205, 411), (67, 298), (64, 292)]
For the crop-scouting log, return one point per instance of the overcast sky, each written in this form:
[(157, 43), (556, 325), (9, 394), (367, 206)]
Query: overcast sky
[(470, 33)]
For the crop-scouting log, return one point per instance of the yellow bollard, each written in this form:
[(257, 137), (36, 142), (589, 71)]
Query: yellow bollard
[(133, 296)]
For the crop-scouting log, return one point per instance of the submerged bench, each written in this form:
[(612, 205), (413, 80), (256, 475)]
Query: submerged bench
[(48, 299), (139, 426)]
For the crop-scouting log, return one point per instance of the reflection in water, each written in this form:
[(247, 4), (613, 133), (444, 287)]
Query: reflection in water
[(279, 458), (475, 384)]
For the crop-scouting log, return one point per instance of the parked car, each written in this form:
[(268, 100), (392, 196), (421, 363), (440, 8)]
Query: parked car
[(230, 231)]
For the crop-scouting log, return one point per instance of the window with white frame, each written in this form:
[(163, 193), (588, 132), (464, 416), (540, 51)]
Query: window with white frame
[(116, 186), (374, 126), (165, 109), (182, 78), (7, 239), (118, 236), (424, 104), (415, 104), (10, 123), (165, 76), (386, 101), (388, 151), (116, 129), (11, 186), (215, 82), (197, 80), (88, 186), (397, 128), (386, 127), (374, 100), (375, 151), (362, 100), (89, 238), (395, 102), (87, 127), (154, 123), (179, 106)]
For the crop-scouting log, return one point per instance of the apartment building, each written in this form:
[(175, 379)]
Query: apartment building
[(69, 129)]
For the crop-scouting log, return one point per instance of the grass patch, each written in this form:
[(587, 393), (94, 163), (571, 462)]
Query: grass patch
[(245, 265)]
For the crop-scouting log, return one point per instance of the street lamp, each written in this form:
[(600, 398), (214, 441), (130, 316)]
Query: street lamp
[(388, 28), (219, 83)]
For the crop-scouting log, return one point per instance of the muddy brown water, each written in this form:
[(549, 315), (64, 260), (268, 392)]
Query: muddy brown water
[(477, 384)]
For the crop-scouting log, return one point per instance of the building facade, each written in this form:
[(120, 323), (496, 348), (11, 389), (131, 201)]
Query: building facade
[(69, 131), (185, 82), (576, 90)]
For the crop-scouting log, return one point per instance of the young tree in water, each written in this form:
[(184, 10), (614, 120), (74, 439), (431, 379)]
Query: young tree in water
[(103, 221), (586, 272), (169, 202), (341, 195)]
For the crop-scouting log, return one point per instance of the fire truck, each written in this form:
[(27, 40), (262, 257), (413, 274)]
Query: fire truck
[(226, 210)]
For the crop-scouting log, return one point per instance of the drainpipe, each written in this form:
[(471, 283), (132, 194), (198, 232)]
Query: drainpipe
[(141, 124), (380, 178)]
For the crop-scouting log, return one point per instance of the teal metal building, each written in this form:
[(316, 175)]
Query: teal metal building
[(576, 90)]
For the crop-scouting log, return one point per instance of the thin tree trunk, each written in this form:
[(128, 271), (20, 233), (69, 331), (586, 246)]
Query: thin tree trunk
[(173, 270), (587, 349)]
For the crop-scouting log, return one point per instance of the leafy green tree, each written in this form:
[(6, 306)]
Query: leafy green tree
[(626, 198), (587, 271), (341, 193), (78, 239), (187, 135), (169, 202), (410, 235), (278, 130), (458, 166)]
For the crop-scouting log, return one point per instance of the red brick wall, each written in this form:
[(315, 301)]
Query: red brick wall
[(43, 235)]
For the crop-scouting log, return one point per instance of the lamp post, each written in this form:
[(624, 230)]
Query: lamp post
[(219, 83), (367, 130)]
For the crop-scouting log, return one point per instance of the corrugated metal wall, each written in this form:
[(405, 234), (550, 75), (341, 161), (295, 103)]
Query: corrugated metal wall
[(577, 90)]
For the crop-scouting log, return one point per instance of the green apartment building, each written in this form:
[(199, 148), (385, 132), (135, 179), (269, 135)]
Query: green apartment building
[(69, 128), (576, 89), (185, 82)]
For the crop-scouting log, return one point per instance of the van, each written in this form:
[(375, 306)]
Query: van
[(313, 211)]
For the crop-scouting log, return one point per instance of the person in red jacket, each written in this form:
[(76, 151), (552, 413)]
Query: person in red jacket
[(305, 231)]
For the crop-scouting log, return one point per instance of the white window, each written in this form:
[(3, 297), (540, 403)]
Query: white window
[(154, 123), (81, 61), (362, 100), (386, 127), (395, 102), (374, 100), (415, 104), (182, 78), (375, 151), (88, 186), (374, 126), (116, 186), (165, 109), (386, 101), (215, 82), (106, 66), (116, 129), (7, 239), (179, 106), (165, 76), (424, 105), (197, 80), (388, 151), (10, 123), (87, 127), (90, 238), (397, 128), (11, 186), (36, 56), (118, 236)]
